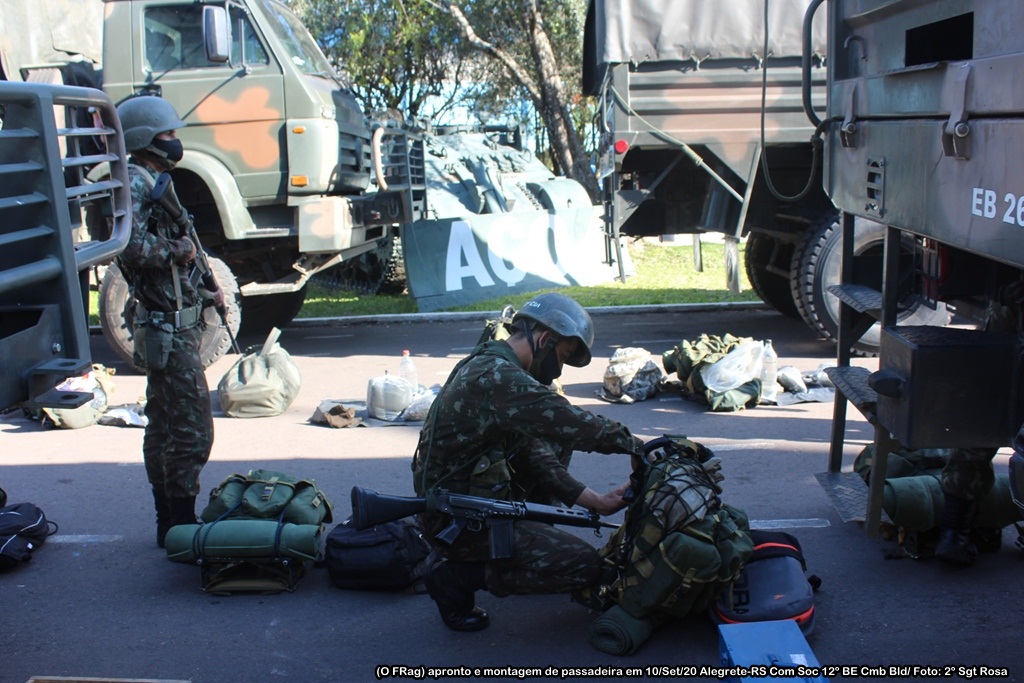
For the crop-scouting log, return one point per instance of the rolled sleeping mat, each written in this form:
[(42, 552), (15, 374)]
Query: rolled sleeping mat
[(619, 633), (917, 503), (234, 539)]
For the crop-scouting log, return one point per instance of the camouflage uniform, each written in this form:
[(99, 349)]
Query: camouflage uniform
[(179, 434), (495, 432), (969, 473)]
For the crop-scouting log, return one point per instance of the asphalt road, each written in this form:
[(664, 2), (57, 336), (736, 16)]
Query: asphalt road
[(101, 600)]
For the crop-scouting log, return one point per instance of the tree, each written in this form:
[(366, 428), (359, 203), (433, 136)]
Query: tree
[(392, 59), (518, 26), (492, 54)]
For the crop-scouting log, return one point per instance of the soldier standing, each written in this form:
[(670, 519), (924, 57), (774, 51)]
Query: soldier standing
[(168, 320), (497, 431)]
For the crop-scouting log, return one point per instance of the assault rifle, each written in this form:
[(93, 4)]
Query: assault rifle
[(164, 194), (370, 508)]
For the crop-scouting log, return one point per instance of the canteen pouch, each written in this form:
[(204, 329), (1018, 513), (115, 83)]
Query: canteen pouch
[(225, 498), (153, 345), (308, 506)]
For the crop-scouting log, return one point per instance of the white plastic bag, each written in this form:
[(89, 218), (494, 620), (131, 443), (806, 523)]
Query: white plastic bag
[(739, 366), (387, 396), (791, 379), (421, 402)]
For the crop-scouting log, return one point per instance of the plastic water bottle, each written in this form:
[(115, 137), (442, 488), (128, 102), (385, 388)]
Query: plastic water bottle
[(407, 370), (769, 372)]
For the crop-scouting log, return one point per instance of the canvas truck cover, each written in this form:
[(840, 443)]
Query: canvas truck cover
[(636, 31), (33, 33)]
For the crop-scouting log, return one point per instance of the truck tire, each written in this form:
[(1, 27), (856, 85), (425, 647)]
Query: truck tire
[(817, 266), (770, 286), (262, 313), (117, 309)]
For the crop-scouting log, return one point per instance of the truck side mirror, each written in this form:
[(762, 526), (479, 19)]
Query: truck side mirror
[(216, 34)]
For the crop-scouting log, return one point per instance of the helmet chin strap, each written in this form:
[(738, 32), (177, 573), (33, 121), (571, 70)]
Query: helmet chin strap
[(524, 325)]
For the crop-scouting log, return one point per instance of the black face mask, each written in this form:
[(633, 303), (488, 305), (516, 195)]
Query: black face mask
[(546, 369), (171, 150)]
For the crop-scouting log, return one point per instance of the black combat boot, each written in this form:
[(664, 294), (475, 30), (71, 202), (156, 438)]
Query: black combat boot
[(452, 585), (955, 545), (163, 516), (182, 511)]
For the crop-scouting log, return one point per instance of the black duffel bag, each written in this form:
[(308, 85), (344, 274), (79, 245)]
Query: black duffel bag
[(386, 557)]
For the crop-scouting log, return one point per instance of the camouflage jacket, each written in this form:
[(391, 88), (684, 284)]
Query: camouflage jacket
[(490, 413), (153, 247)]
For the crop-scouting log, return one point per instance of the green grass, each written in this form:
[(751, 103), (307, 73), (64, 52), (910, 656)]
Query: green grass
[(664, 275)]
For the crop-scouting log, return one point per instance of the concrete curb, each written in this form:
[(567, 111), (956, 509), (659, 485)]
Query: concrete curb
[(409, 318), (483, 315)]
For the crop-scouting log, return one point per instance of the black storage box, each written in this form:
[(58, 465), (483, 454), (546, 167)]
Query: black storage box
[(949, 387)]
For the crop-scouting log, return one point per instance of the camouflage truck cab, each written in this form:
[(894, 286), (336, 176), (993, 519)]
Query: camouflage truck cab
[(283, 172)]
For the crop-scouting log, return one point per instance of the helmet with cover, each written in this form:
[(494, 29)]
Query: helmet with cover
[(566, 318), (145, 117)]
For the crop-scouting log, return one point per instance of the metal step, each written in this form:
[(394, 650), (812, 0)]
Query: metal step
[(860, 298), (849, 495), (44, 394), (852, 382)]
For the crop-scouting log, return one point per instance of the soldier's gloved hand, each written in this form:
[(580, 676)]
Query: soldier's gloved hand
[(215, 296), (603, 503), (188, 251)]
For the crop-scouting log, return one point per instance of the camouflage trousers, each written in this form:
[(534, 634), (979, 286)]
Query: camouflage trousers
[(544, 559), (969, 474), (179, 434)]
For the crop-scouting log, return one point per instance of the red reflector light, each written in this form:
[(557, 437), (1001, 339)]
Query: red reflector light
[(621, 146)]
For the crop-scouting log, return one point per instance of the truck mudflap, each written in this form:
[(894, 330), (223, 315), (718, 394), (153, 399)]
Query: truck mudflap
[(457, 261)]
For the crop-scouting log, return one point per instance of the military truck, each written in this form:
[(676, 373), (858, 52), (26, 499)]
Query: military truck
[(701, 130), (283, 172), (288, 179), (923, 133), (44, 336)]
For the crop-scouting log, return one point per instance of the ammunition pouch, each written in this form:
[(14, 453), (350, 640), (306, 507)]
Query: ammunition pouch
[(491, 477), (154, 333)]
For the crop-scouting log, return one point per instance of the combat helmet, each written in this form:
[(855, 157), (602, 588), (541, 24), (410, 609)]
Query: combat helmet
[(565, 318), (143, 118)]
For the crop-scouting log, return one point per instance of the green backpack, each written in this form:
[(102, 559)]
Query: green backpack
[(258, 532), (266, 494), (680, 546)]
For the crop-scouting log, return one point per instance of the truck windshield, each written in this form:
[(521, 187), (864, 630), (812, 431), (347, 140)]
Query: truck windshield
[(295, 38)]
